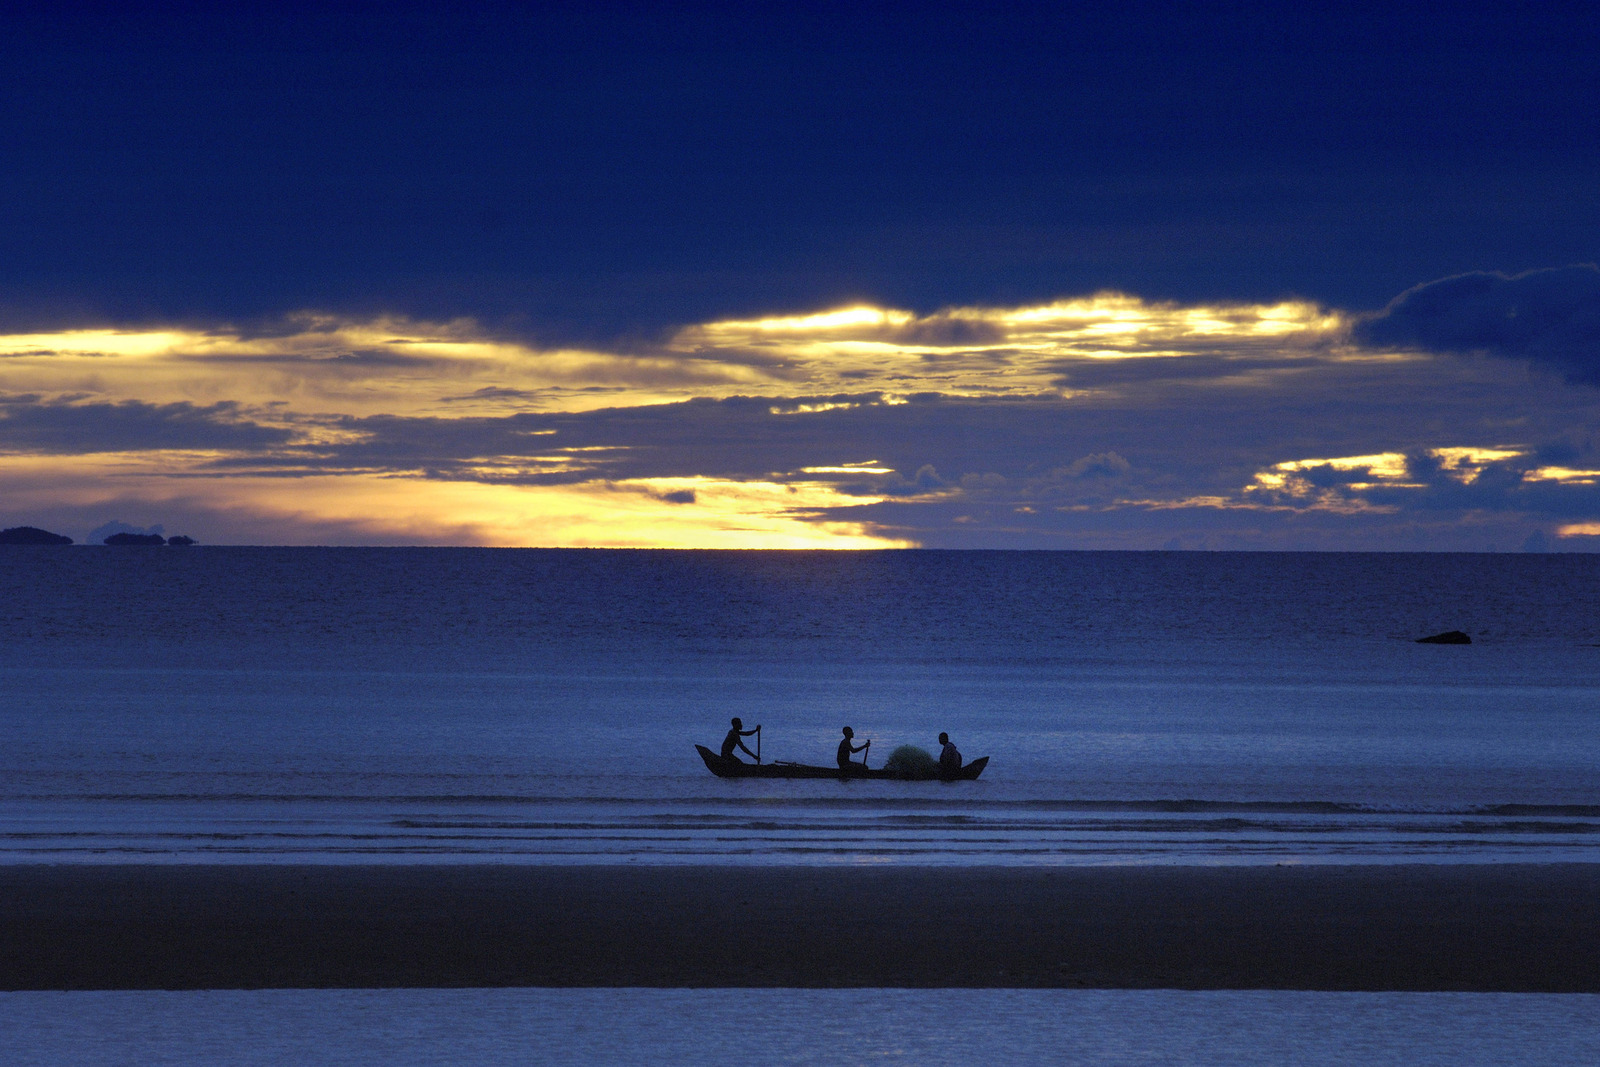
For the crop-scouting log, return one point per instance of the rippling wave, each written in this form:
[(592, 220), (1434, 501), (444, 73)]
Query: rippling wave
[(346, 828), (241, 705)]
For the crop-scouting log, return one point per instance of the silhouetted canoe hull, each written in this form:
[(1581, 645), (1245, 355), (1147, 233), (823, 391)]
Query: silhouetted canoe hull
[(738, 769)]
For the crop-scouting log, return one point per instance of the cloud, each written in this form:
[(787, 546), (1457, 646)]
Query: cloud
[(1099, 465), (1544, 316), (1450, 480), (492, 392), (924, 481), (1099, 421), (28, 423)]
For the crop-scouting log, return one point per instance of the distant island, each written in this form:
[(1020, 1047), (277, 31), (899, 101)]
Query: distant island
[(134, 539), (147, 539), (32, 535)]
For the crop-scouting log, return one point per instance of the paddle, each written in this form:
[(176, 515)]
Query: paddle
[(758, 744), (866, 750)]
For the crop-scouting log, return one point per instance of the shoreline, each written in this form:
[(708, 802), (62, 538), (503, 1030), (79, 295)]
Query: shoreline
[(1489, 928)]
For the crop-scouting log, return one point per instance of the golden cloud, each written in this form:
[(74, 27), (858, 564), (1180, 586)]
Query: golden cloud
[(315, 378), (317, 364)]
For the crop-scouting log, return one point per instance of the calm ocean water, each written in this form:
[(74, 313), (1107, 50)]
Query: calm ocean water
[(532, 706), (1110, 1028)]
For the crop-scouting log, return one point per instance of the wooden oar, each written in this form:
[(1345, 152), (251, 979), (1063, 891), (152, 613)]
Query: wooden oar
[(758, 744)]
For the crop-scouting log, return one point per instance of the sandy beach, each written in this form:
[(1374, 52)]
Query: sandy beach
[(1487, 928)]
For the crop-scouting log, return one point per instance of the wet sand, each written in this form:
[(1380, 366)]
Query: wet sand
[(1491, 928)]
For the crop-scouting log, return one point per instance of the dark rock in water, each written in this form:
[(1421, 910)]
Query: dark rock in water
[(135, 539), (1453, 637), (180, 539), (32, 535)]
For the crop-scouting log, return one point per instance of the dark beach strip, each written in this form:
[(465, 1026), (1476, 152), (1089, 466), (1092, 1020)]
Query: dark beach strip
[(1489, 928)]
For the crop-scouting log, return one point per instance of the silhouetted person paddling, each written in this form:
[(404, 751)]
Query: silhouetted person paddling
[(846, 749), (732, 741), (949, 756)]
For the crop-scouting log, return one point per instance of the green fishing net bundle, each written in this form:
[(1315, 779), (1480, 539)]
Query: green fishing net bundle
[(912, 761)]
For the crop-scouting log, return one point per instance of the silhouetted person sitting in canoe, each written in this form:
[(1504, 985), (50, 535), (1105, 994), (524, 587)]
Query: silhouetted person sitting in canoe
[(846, 749), (949, 756), (732, 741)]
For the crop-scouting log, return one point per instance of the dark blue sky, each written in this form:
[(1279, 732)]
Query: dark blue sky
[(1003, 275), (605, 170)]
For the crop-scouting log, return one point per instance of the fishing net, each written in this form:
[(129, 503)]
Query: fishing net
[(912, 761)]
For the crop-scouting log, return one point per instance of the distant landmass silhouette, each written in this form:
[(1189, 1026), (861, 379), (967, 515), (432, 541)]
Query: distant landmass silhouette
[(135, 539), (98, 535), (32, 535)]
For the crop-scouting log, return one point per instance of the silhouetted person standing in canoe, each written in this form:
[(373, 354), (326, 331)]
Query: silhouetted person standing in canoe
[(846, 748), (949, 756), (732, 741)]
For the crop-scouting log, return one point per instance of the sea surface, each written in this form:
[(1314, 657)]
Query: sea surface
[(1108, 1028), (214, 704), (258, 705)]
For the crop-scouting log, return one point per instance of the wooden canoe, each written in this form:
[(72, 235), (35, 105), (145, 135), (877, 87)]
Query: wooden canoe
[(734, 768)]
